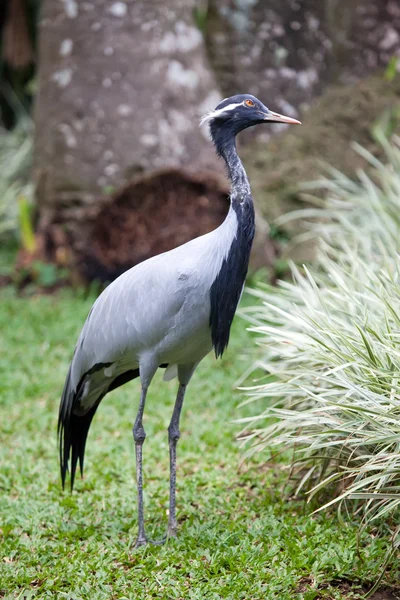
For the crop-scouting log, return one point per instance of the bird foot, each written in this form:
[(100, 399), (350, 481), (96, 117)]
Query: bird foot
[(172, 531), (141, 541)]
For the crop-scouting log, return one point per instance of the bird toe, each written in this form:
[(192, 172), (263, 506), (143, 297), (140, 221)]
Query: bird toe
[(159, 542), (141, 541)]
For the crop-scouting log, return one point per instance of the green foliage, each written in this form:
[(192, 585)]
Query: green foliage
[(15, 162), (330, 346), (46, 275), (386, 125), (391, 69), (201, 15), (240, 537), (26, 229)]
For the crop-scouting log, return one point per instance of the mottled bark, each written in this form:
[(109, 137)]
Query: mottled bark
[(121, 88), (287, 52)]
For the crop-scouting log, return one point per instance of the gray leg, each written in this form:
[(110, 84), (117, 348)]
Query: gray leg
[(139, 435), (173, 437)]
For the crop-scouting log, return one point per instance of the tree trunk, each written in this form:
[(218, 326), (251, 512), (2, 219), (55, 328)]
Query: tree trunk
[(121, 88), (288, 52)]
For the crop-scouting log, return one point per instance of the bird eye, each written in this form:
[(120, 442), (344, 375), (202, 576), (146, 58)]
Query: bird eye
[(249, 103)]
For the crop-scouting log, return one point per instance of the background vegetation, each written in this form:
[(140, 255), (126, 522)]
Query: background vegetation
[(111, 163), (331, 350)]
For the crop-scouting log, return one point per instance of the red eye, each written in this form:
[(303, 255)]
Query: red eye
[(249, 103)]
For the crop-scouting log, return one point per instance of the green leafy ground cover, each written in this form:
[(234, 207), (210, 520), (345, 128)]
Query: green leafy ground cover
[(241, 535)]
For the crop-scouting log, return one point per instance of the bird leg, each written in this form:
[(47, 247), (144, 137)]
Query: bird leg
[(173, 436), (139, 435)]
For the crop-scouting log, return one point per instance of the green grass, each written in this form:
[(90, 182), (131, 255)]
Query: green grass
[(240, 535)]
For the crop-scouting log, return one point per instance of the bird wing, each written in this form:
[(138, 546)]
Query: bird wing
[(131, 315), (139, 308)]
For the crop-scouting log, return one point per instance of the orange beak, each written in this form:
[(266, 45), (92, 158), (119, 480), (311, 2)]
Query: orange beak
[(277, 118)]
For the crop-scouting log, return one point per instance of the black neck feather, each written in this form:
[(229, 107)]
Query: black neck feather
[(227, 288)]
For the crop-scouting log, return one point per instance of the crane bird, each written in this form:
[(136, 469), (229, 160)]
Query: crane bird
[(169, 311)]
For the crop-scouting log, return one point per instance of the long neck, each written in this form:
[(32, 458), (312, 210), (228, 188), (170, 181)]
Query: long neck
[(240, 186), (225, 144), (227, 288)]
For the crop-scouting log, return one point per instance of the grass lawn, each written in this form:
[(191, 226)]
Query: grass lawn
[(240, 536)]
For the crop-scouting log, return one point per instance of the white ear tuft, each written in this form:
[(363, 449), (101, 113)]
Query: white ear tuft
[(218, 113), (206, 118)]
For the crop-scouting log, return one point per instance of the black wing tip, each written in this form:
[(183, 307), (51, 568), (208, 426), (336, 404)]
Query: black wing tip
[(63, 453), (72, 439), (73, 432), (219, 350), (73, 429)]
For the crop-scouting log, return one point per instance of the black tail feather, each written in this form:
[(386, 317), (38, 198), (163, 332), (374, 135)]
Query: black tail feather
[(73, 435), (73, 429)]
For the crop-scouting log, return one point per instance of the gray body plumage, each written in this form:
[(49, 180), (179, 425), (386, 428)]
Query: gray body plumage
[(157, 313)]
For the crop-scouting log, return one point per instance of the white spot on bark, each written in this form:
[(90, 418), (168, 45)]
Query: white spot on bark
[(170, 143), (98, 111), (96, 26), (287, 73), (108, 155), (70, 139), (149, 140), (287, 108), (186, 39), (118, 9), (78, 124), (149, 25), (63, 77), (107, 82), (239, 20), (66, 47), (277, 30), (108, 51), (179, 121), (307, 78), (71, 8), (111, 169), (168, 43), (313, 23), (391, 38), (178, 75), (270, 73), (295, 25), (124, 110)]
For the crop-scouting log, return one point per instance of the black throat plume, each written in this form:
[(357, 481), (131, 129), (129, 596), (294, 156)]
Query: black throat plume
[(228, 285)]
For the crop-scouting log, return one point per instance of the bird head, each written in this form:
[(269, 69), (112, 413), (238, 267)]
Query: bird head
[(236, 113)]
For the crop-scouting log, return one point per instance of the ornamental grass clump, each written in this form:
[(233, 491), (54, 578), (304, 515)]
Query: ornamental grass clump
[(330, 348)]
